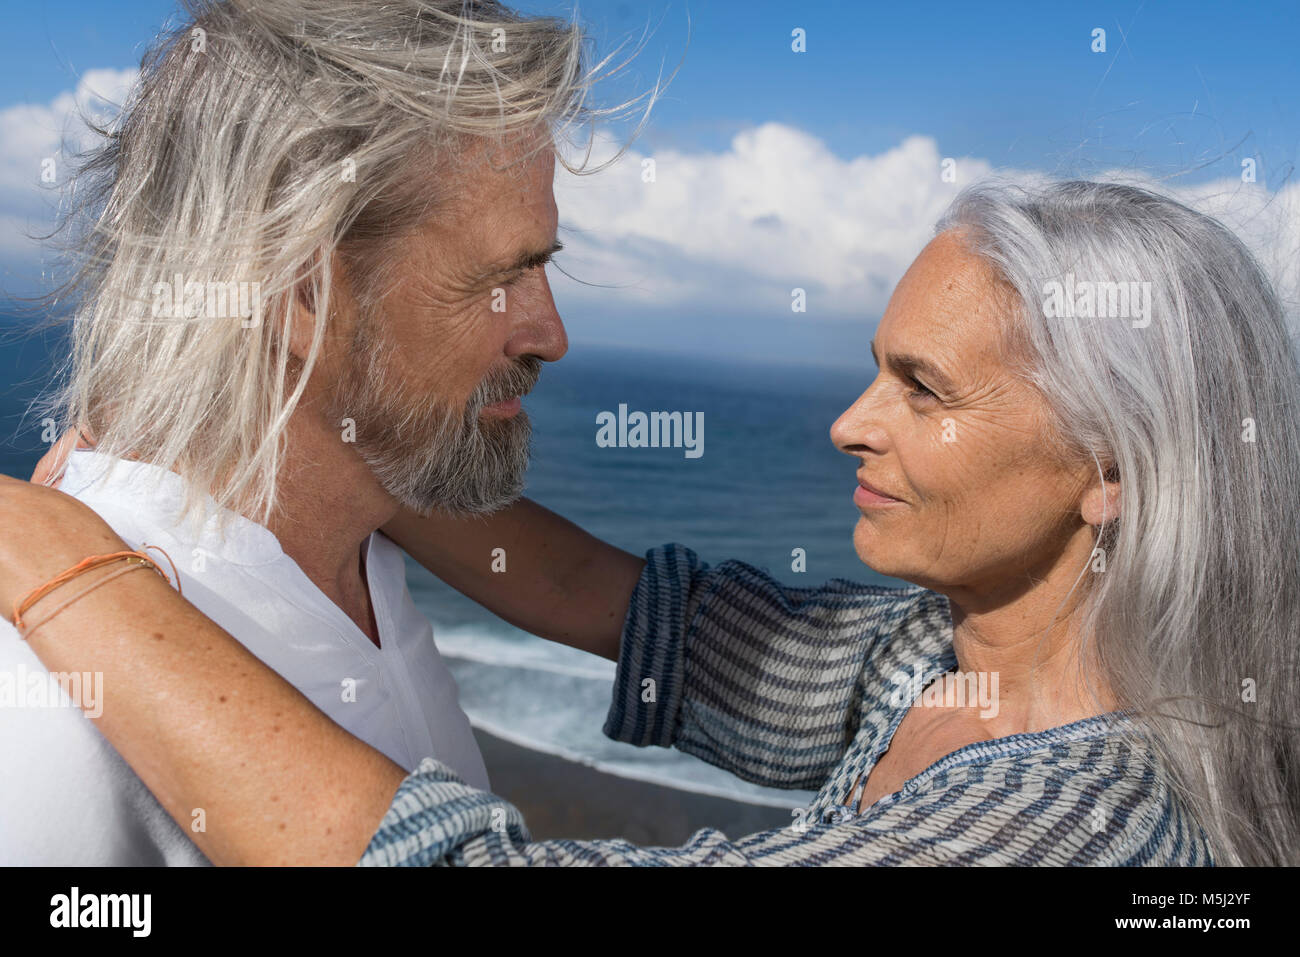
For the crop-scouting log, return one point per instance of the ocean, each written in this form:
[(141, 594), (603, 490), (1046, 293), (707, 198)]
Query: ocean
[(768, 481)]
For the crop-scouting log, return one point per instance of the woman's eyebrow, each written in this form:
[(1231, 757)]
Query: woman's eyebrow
[(906, 365)]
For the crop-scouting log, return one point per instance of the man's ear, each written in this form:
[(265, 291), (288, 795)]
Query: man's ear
[(1101, 501), (303, 306), (302, 321)]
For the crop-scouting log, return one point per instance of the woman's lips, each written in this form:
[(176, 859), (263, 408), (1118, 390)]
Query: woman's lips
[(864, 496)]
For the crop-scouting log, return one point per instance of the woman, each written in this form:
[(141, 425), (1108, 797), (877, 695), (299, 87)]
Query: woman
[(1085, 497)]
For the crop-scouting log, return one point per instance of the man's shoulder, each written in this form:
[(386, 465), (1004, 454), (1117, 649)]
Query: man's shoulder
[(146, 504), (137, 500)]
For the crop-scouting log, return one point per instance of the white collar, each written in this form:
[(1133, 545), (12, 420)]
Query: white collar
[(147, 490)]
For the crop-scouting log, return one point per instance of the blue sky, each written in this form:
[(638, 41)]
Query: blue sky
[(1182, 94)]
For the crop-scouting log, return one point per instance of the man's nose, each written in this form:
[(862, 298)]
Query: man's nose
[(541, 330)]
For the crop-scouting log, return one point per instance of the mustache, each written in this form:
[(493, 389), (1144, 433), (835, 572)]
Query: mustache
[(518, 378)]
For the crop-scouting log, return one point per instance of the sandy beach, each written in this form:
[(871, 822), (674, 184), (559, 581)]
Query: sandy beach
[(561, 798)]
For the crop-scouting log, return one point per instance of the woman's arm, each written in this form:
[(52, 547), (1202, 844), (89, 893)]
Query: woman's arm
[(550, 577), (203, 722), (770, 690), (209, 727), (747, 673)]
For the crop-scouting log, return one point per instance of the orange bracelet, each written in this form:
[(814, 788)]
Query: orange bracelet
[(29, 630), (134, 560)]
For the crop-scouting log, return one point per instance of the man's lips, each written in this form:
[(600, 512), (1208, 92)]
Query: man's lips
[(505, 408), (866, 494)]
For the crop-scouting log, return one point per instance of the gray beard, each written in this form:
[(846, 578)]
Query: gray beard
[(426, 456)]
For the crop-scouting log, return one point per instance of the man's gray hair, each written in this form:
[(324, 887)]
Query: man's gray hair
[(263, 137), (1196, 410)]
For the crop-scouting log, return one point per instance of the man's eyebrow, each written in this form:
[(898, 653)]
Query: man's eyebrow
[(906, 365), (530, 259)]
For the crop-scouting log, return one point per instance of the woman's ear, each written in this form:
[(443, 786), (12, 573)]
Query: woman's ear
[(1101, 501)]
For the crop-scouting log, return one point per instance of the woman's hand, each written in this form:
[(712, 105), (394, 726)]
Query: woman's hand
[(49, 470)]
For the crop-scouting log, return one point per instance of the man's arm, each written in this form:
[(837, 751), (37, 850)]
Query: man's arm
[(558, 582)]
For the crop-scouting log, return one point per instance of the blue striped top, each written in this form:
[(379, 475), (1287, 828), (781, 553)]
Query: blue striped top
[(798, 688)]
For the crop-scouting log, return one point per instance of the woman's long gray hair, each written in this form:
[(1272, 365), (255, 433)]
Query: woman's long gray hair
[(263, 137), (1196, 615)]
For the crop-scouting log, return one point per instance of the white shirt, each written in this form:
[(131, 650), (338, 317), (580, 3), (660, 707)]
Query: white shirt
[(68, 798)]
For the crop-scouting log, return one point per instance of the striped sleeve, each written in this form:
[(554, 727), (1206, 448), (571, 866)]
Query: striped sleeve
[(753, 676), (1077, 806), (438, 820)]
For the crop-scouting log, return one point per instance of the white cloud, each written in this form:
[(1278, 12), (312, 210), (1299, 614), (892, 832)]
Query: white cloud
[(735, 231), (32, 134), (1268, 222), (738, 230), (727, 233)]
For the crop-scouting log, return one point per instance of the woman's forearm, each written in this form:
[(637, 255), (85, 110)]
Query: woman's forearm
[(549, 577), (251, 771)]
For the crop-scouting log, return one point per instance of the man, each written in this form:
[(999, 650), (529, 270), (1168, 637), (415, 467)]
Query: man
[(383, 223)]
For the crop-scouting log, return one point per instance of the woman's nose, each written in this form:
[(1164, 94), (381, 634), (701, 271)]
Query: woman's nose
[(857, 428)]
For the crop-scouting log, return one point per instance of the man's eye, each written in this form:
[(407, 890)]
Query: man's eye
[(920, 391), (521, 275)]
